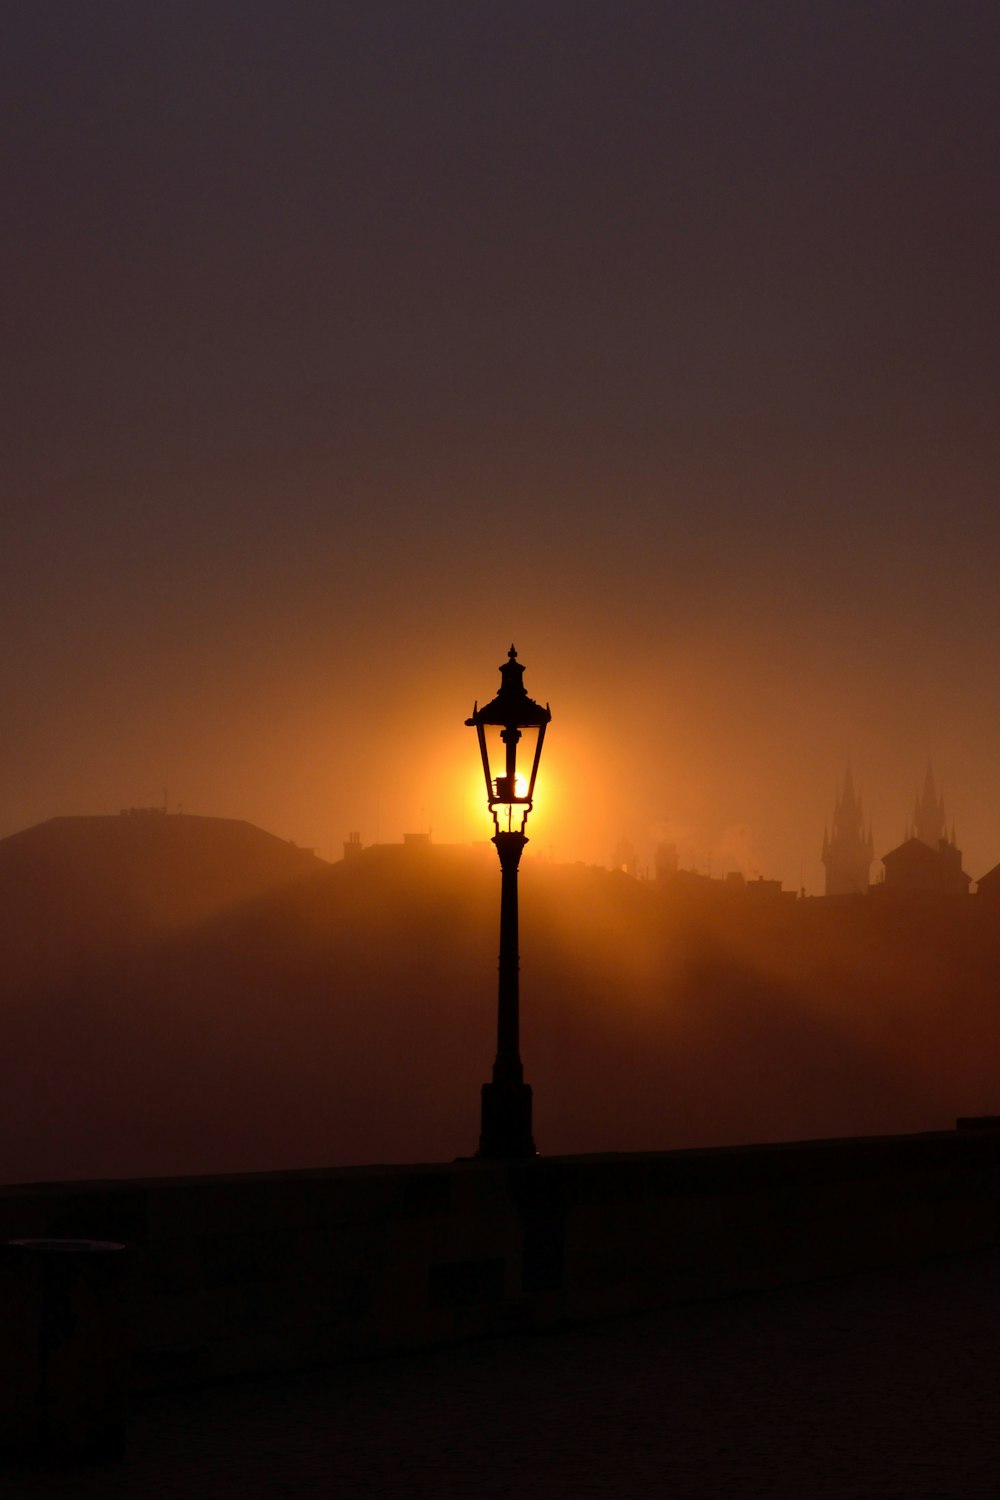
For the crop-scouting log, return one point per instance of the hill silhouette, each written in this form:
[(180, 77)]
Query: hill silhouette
[(346, 1014), (74, 888)]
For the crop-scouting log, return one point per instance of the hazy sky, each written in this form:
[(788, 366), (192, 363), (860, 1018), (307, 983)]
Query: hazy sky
[(347, 342)]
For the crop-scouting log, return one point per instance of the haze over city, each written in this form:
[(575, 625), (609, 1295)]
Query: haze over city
[(347, 343)]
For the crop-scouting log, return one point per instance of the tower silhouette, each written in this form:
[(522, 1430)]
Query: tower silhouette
[(928, 861), (848, 849), (928, 814)]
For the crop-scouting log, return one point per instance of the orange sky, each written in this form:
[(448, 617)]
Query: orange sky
[(348, 344)]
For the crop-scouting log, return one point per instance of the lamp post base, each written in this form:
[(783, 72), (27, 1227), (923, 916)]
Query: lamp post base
[(506, 1122)]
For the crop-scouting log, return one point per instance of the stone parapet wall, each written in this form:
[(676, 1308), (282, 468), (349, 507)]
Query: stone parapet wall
[(252, 1273)]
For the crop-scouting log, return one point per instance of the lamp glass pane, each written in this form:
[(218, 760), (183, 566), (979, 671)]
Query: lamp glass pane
[(503, 787)]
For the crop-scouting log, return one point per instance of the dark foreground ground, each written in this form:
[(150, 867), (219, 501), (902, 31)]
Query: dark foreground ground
[(881, 1384)]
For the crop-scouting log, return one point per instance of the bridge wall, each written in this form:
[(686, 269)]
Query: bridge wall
[(246, 1274)]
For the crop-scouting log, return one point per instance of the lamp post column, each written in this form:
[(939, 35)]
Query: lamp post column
[(506, 1101)]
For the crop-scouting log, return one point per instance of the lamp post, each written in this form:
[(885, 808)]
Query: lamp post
[(511, 721)]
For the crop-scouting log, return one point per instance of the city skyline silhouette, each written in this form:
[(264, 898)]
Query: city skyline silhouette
[(310, 1014)]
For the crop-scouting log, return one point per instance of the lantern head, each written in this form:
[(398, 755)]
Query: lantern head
[(511, 730)]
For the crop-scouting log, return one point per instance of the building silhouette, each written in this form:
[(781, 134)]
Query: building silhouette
[(848, 849), (915, 868), (624, 858), (988, 885), (927, 862)]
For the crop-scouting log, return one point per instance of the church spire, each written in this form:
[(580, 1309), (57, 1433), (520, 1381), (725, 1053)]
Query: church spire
[(848, 848), (848, 799), (929, 824)]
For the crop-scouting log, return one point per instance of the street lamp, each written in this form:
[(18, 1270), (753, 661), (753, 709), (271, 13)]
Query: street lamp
[(511, 721)]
